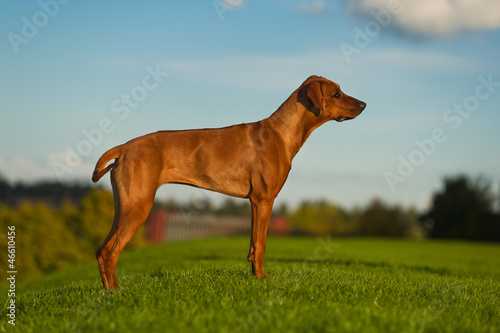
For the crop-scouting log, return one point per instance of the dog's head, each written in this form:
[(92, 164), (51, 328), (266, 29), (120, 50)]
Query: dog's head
[(325, 99)]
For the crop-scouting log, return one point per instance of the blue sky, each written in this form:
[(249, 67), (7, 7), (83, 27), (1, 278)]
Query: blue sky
[(81, 77)]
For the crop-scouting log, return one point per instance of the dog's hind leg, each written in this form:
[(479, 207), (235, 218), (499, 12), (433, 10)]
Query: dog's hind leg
[(131, 211), (98, 253)]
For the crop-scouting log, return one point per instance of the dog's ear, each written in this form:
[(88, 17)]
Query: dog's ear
[(310, 94), (315, 96)]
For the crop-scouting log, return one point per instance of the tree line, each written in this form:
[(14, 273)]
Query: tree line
[(50, 237), (465, 208), (59, 225)]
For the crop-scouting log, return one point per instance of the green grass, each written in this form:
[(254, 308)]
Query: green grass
[(313, 285)]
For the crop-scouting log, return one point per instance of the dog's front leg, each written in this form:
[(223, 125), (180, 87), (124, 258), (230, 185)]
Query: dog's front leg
[(261, 213)]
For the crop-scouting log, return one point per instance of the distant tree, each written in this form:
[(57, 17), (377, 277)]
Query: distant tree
[(231, 207), (51, 237), (204, 206), (319, 218), (43, 243), (49, 192), (463, 209), (198, 205), (5, 191), (380, 219), (281, 209), (169, 204)]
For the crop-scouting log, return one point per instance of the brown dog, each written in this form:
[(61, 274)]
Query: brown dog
[(247, 161)]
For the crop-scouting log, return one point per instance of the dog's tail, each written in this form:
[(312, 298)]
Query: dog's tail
[(100, 169)]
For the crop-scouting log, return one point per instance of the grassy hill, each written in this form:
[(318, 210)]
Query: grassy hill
[(313, 285)]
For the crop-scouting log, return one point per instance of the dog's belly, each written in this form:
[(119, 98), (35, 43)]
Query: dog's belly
[(228, 188)]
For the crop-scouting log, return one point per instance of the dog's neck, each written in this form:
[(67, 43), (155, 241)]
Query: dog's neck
[(294, 121)]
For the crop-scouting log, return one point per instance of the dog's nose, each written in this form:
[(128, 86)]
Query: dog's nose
[(362, 105)]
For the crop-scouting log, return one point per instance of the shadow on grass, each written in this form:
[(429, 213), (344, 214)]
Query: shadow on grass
[(350, 262), (343, 262)]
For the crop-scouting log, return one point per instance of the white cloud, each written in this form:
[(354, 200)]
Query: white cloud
[(283, 73), (436, 18), (270, 73), (68, 166), (316, 7), (234, 3), (429, 60), (18, 168)]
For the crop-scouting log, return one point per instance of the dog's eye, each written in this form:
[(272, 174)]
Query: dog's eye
[(337, 95)]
